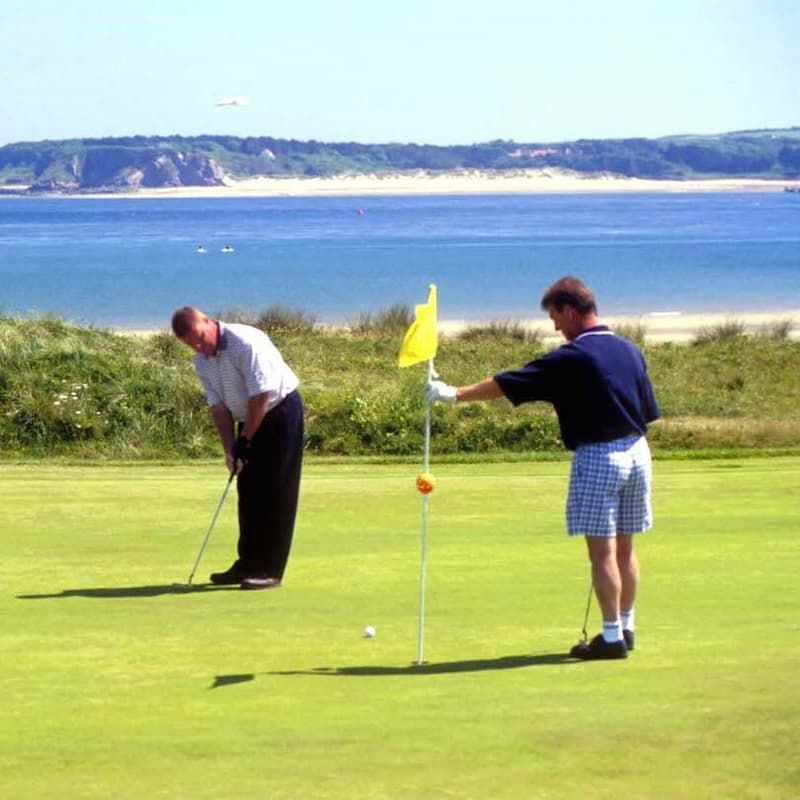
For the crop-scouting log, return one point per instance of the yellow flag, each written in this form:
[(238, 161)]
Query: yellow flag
[(420, 342)]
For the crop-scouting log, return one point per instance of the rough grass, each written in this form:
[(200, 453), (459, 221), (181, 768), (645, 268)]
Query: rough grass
[(114, 685), (392, 321), (69, 390), (501, 330)]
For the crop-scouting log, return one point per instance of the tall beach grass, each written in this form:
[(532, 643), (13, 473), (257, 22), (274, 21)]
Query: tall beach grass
[(80, 391)]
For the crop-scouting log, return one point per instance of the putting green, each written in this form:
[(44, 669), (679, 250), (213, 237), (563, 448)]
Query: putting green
[(116, 685)]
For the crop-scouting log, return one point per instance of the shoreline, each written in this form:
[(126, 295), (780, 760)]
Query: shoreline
[(659, 326), (532, 181)]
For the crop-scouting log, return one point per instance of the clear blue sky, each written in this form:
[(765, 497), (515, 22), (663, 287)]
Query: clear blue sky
[(432, 71)]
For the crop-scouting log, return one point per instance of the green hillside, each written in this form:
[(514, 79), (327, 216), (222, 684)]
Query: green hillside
[(125, 163)]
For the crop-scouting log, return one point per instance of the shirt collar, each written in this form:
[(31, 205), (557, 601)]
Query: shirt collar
[(222, 341), (597, 330)]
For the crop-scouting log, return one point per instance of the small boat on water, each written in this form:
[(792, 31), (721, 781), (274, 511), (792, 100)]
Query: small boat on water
[(227, 249), (792, 189)]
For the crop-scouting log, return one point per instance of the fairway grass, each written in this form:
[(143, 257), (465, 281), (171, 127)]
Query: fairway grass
[(114, 685)]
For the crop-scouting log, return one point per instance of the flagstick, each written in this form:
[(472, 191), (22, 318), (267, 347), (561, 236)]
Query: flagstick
[(426, 457)]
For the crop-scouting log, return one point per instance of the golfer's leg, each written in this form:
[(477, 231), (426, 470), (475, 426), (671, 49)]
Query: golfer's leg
[(605, 574), (628, 566), (273, 480), (281, 506), (250, 556)]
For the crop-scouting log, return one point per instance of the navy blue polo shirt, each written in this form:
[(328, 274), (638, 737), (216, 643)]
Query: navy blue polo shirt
[(597, 383)]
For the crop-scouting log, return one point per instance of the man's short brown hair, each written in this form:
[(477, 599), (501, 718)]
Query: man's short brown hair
[(570, 291), (184, 319)]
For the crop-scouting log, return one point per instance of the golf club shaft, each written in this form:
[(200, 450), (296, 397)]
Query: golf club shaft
[(211, 527), (588, 606)]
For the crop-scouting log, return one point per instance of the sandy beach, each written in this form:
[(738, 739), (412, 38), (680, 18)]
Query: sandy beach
[(534, 181), (663, 326)]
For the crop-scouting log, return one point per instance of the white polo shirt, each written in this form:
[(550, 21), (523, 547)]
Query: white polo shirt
[(246, 364)]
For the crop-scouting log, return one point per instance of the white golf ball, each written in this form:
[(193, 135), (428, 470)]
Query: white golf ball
[(369, 632)]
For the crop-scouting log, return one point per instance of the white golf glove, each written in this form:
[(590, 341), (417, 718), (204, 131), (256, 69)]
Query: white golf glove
[(440, 392)]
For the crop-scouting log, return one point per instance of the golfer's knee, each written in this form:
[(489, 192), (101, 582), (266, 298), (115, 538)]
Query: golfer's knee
[(601, 549), (624, 550)]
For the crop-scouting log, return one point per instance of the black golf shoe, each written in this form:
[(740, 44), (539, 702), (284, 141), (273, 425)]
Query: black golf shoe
[(629, 639), (231, 576), (260, 582), (599, 649)]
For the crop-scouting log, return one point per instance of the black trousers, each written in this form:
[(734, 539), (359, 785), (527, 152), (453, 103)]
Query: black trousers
[(268, 488)]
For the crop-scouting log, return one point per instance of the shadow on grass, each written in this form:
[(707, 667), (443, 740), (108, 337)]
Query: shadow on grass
[(444, 668), (114, 592)]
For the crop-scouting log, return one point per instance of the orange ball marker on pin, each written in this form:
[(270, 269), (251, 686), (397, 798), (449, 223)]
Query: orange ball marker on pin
[(426, 483)]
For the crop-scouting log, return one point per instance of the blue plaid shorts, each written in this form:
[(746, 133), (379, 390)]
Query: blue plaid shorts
[(609, 488)]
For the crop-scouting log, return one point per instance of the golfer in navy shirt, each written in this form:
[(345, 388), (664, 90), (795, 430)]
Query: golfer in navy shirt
[(598, 385)]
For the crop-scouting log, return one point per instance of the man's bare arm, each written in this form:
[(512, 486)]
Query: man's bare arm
[(256, 411), (488, 389)]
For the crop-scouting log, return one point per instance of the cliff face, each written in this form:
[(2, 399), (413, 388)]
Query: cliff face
[(119, 168)]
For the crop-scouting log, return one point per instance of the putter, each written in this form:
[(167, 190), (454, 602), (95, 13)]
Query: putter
[(188, 585), (585, 639)]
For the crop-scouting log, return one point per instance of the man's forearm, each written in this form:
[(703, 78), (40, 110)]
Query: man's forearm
[(256, 411), (223, 422), (488, 389)]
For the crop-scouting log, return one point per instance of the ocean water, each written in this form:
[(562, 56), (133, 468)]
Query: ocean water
[(130, 262)]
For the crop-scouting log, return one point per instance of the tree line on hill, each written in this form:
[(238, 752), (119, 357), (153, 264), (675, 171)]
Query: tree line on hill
[(124, 163)]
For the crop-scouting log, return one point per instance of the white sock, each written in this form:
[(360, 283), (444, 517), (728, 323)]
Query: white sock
[(612, 630), (626, 618)]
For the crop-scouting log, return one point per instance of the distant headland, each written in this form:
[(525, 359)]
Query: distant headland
[(234, 166)]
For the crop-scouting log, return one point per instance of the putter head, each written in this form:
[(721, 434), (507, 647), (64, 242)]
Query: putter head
[(182, 587)]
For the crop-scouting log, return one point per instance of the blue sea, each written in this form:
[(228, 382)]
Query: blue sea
[(128, 263)]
